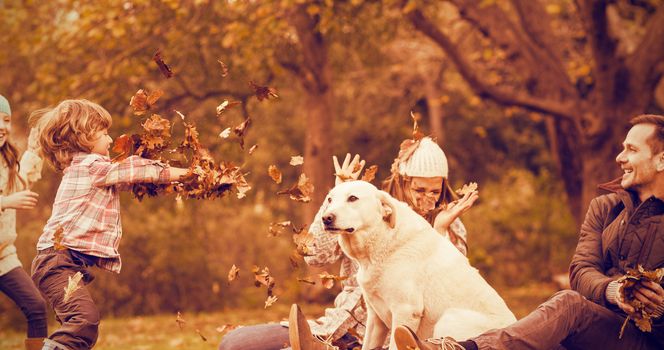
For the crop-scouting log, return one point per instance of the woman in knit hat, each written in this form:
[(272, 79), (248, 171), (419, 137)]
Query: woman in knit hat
[(419, 178), (14, 194)]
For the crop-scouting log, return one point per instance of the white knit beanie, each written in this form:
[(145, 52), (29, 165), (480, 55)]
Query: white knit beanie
[(428, 160)]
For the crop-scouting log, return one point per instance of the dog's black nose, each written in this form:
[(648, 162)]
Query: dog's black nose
[(328, 219)]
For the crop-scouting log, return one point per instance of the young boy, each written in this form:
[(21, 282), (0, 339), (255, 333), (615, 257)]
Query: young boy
[(84, 229)]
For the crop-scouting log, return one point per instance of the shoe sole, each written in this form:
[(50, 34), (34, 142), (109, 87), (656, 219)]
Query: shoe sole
[(404, 339)]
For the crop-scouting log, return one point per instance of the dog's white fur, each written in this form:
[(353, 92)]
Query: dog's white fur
[(409, 273)]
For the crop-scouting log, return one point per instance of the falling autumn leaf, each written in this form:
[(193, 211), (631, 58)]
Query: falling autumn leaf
[(233, 273), (270, 300), (301, 191), (277, 228), (263, 277), (57, 238), (122, 145), (307, 280), (252, 149), (328, 279), (274, 173), (141, 102), (179, 320), (467, 188), (370, 173), (296, 160), (225, 134), (163, 67), (303, 241), (201, 335), (226, 105), (224, 68), (241, 129), (263, 92), (72, 286), (417, 135)]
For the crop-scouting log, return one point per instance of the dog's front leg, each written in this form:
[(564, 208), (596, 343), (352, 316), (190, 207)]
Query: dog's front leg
[(405, 315), (376, 331)]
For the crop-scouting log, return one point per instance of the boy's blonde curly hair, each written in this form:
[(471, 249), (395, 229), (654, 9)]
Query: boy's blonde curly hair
[(68, 128)]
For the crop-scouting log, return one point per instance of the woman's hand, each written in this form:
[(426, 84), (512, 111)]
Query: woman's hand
[(20, 200), (454, 210), (349, 170)]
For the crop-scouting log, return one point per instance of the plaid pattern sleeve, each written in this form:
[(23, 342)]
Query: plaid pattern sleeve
[(87, 205), (131, 170)]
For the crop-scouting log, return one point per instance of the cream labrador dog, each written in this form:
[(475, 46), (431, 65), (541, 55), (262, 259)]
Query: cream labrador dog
[(409, 273)]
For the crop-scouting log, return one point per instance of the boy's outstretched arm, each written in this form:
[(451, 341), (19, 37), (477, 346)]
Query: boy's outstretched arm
[(134, 170)]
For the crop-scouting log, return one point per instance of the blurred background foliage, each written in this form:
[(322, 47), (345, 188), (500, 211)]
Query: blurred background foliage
[(347, 74)]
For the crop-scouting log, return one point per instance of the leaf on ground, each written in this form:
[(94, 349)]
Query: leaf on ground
[(179, 320), (263, 92), (57, 239), (296, 160), (163, 67), (370, 173), (72, 286), (270, 300), (301, 191), (233, 273), (328, 279), (274, 173), (467, 188)]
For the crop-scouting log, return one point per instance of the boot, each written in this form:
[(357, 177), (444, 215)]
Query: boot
[(406, 339), (34, 343), (299, 332)]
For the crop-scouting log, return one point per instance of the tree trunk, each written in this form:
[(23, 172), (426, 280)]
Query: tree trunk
[(313, 73)]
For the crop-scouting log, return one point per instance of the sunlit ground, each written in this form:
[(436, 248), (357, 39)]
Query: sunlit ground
[(162, 332)]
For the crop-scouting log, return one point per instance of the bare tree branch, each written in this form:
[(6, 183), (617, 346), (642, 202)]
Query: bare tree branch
[(502, 95)]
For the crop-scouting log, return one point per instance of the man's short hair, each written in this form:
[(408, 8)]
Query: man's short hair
[(656, 140)]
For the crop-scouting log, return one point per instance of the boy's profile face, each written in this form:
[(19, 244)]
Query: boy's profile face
[(101, 142)]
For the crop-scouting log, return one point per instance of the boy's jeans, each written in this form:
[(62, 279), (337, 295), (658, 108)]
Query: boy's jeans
[(79, 317)]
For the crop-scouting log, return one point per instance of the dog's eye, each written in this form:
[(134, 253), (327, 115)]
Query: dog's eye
[(352, 199)]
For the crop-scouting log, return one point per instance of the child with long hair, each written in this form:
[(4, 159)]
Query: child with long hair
[(15, 179), (84, 229)]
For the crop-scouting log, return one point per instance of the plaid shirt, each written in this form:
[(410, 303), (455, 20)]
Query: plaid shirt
[(349, 310), (87, 205)]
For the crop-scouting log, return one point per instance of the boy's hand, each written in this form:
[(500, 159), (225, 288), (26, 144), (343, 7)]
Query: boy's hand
[(20, 200), (180, 174)]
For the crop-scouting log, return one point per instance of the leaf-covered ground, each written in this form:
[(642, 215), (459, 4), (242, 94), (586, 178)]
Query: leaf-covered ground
[(163, 332)]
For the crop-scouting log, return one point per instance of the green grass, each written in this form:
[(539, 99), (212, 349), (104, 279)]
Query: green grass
[(162, 332)]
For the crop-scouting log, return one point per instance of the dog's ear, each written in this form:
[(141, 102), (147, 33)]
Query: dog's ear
[(389, 211)]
